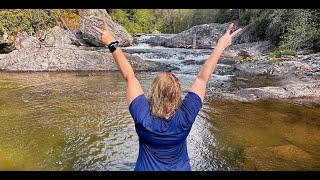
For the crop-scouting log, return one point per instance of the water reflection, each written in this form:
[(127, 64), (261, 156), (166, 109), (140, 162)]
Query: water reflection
[(80, 121)]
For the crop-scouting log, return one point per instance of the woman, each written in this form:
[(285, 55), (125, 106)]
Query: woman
[(163, 121)]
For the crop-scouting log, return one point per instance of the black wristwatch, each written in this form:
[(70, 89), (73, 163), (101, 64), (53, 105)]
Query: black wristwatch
[(113, 46)]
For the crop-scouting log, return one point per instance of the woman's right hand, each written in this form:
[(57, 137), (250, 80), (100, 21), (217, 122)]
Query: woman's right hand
[(226, 39), (106, 35)]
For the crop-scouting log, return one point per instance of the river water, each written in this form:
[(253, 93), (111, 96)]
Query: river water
[(80, 121)]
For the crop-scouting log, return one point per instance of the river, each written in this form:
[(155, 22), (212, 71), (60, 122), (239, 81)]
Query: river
[(80, 121)]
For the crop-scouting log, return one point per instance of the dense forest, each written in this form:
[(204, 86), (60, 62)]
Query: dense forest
[(290, 29)]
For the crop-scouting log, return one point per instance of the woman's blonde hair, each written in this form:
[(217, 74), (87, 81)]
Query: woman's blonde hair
[(165, 95)]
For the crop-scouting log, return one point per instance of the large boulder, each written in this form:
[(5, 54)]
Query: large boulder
[(100, 13), (58, 36), (154, 39), (203, 36), (253, 32), (92, 37), (69, 59), (295, 89), (53, 37), (23, 40), (250, 49)]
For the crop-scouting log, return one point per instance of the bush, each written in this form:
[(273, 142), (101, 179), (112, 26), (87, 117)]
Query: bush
[(296, 29), (135, 21), (33, 20), (70, 17), (274, 61), (246, 18), (241, 59), (283, 51), (301, 32), (226, 15)]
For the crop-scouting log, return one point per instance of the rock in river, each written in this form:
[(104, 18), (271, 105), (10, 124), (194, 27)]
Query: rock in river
[(70, 59), (94, 38)]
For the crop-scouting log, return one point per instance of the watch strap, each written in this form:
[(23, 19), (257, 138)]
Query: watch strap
[(113, 46)]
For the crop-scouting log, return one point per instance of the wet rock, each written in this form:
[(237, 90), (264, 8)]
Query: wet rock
[(69, 59), (154, 39), (228, 61), (92, 37), (163, 67), (295, 89), (290, 67), (192, 62), (243, 54), (270, 66), (251, 69)]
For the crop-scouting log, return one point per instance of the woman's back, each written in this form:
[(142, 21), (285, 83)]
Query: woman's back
[(162, 142)]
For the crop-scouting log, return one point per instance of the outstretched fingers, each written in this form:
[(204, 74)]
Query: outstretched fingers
[(98, 29), (105, 26), (236, 32), (229, 28)]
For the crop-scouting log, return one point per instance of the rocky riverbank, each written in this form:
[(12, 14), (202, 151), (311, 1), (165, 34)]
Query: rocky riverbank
[(294, 78), (71, 58), (245, 62), (59, 49)]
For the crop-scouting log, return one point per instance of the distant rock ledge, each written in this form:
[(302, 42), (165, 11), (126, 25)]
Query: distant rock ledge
[(71, 58)]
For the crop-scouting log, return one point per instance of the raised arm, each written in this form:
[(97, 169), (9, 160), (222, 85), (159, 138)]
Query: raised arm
[(133, 87), (200, 84)]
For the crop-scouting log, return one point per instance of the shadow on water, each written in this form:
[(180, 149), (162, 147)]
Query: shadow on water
[(72, 121)]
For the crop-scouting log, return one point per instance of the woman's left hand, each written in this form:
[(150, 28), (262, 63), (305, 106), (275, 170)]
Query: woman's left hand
[(226, 39), (106, 35)]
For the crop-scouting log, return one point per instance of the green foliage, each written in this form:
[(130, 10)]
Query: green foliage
[(238, 59), (122, 17), (301, 31), (226, 15), (33, 20), (164, 20), (246, 18), (283, 51), (297, 29), (13, 21), (135, 20), (294, 29), (241, 59), (274, 61), (69, 17)]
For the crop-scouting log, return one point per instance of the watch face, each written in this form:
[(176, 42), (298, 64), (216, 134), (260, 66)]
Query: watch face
[(113, 47)]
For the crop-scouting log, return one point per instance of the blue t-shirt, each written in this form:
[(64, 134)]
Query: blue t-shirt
[(162, 143)]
